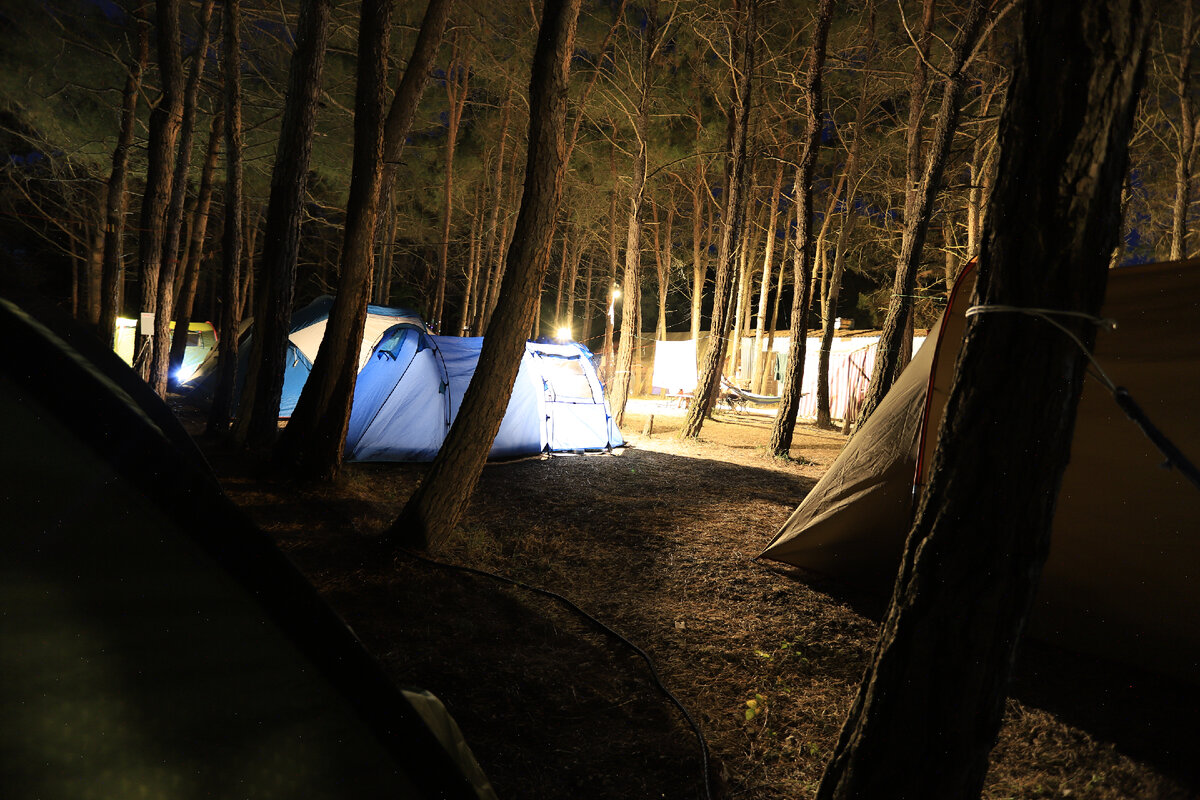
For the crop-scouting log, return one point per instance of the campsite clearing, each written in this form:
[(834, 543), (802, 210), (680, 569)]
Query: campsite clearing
[(658, 543)]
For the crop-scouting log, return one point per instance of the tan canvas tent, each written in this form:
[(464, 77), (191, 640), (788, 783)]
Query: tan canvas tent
[(1123, 577)]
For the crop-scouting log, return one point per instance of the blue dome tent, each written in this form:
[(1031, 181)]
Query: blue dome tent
[(410, 390)]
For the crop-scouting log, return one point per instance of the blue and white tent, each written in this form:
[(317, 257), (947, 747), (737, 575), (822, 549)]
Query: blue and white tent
[(304, 339), (409, 393)]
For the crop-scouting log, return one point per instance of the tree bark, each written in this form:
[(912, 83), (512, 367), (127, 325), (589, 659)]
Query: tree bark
[(934, 692), (1185, 139), (221, 411), (631, 308), (889, 360), (258, 424), (789, 403), (169, 260), (456, 92), (311, 445), (613, 259), (699, 245), (708, 383), (116, 199), (849, 216), (764, 288), (430, 516), (409, 91), (195, 249), (165, 122)]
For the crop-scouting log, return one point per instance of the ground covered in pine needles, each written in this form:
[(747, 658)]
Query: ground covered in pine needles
[(658, 544)]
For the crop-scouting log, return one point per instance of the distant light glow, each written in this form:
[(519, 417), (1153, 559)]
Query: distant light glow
[(184, 374), (616, 293), (563, 334)]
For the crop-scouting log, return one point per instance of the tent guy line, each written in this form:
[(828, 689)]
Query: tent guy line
[(1124, 400)]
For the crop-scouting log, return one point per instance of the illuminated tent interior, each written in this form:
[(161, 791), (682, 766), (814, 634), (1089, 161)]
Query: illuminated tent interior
[(1123, 576), (153, 641), (409, 393)]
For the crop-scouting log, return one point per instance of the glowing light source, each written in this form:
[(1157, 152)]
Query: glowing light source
[(563, 334), (184, 374)]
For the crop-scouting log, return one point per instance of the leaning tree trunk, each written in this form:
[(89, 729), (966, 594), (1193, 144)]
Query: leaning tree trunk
[(934, 692), (889, 355), (258, 424), (311, 444), (195, 248), (429, 517), (789, 402), (165, 122), (165, 301), (115, 200), (221, 411), (708, 384)]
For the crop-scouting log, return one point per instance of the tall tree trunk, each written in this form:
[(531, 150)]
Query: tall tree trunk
[(195, 249), (456, 92), (699, 245), (753, 238), (934, 692), (585, 334), (165, 121), (430, 516), (258, 424), (491, 260), (115, 200), (889, 360), (221, 411), (572, 280), (789, 403), (631, 308), (612, 292), (764, 288), (849, 216), (165, 302), (709, 381), (471, 292), (505, 240), (770, 348), (311, 445), (662, 263), (408, 93), (1186, 138)]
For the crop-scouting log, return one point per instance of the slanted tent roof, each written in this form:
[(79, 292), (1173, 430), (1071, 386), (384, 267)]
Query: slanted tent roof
[(153, 640), (409, 393), (1123, 577)]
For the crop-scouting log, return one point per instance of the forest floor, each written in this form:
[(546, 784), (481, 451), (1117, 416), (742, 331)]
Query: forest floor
[(659, 544)]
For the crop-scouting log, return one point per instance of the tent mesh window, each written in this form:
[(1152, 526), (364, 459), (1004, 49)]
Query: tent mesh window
[(567, 380)]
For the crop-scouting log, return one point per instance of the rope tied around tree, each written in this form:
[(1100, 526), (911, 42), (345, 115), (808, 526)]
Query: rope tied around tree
[(1175, 458)]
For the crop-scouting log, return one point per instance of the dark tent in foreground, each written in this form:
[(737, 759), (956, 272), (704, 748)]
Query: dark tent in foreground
[(1123, 577), (154, 642)]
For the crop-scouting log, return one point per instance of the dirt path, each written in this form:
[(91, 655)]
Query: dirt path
[(659, 543)]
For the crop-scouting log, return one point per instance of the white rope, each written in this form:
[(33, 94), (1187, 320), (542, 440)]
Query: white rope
[(1048, 315)]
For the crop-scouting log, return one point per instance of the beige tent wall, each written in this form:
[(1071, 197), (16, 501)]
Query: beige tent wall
[(1123, 577)]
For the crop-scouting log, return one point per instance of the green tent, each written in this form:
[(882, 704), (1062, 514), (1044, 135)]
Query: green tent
[(153, 642)]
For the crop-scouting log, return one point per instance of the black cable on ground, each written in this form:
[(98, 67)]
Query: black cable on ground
[(704, 756)]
